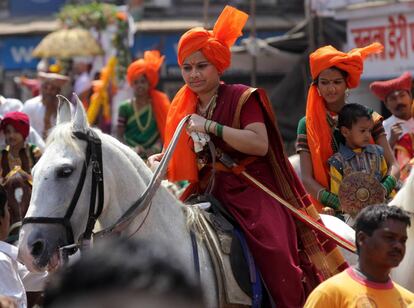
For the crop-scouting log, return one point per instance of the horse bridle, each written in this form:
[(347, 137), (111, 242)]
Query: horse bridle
[(93, 157)]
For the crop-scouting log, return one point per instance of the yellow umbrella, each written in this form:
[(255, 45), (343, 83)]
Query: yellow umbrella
[(67, 43)]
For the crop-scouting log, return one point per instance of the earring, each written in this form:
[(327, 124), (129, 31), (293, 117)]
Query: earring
[(347, 92)]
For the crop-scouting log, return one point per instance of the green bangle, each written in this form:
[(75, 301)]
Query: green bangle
[(219, 130), (389, 183), (330, 199), (318, 195)]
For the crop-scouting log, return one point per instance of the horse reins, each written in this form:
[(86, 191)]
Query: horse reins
[(93, 157), (146, 197)]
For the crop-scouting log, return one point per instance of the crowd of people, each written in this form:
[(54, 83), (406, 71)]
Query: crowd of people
[(335, 139)]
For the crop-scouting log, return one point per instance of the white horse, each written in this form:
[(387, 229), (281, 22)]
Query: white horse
[(125, 177), (56, 175), (404, 274)]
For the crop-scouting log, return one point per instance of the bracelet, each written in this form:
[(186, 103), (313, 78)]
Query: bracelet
[(389, 183), (318, 194), (209, 126), (330, 199), (206, 126), (219, 130)]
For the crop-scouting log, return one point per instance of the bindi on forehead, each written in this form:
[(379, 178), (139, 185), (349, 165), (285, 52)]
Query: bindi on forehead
[(396, 93)]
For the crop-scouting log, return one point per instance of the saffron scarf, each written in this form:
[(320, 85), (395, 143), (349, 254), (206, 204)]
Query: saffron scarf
[(149, 66), (318, 131), (215, 46)]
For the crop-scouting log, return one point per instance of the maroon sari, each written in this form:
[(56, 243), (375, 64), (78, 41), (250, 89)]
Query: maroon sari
[(285, 250)]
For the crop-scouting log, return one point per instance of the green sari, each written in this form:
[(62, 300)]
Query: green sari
[(140, 126)]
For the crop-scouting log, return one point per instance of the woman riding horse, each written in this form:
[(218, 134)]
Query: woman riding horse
[(240, 122)]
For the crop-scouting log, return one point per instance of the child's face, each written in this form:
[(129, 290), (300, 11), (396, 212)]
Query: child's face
[(359, 135), (13, 137)]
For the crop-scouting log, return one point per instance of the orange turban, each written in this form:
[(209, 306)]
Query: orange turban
[(215, 46), (149, 65), (319, 134)]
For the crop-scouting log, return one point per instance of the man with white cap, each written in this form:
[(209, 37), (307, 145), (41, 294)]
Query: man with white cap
[(42, 109)]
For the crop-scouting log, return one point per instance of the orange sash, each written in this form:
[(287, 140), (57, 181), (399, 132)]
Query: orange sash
[(319, 133)]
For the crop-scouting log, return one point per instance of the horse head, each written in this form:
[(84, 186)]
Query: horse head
[(60, 207), (55, 173), (63, 181), (18, 185)]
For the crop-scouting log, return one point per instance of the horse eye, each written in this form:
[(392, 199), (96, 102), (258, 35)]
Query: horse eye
[(64, 172)]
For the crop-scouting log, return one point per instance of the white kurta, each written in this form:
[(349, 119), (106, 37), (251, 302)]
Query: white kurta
[(406, 125), (9, 105), (15, 278), (35, 109)]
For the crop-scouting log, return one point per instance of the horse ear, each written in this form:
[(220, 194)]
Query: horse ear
[(80, 121), (64, 113)]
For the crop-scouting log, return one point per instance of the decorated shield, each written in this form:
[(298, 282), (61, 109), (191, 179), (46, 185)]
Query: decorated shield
[(358, 190)]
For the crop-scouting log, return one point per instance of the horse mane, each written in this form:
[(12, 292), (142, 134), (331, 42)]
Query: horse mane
[(63, 133), (133, 157)]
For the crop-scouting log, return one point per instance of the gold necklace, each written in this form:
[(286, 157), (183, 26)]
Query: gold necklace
[(207, 111), (142, 127)]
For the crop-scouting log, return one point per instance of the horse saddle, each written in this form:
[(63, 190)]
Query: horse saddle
[(358, 190), (228, 252)]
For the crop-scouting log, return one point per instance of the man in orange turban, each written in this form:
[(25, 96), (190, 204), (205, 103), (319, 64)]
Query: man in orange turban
[(240, 122), (141, 120), (333, 73)]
